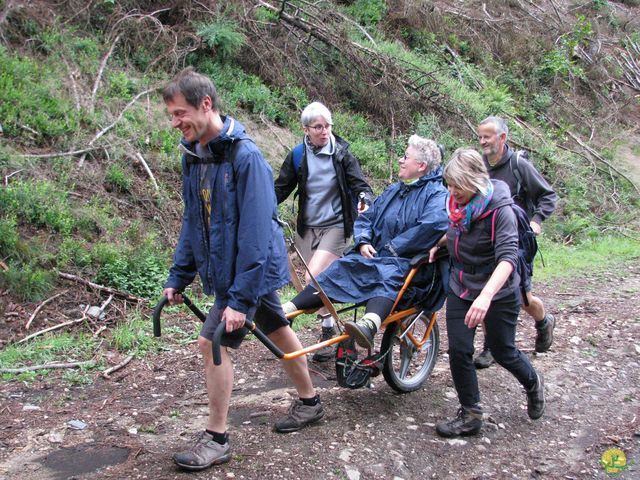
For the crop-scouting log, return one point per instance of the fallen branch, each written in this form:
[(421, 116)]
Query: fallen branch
[(103, 64), (49, 366), (117, 367), (148, 170), (596, 155), (117, 293), (61, 154), (113, 124), (39, 307), (3, 266), (55, 327), (7, 177)]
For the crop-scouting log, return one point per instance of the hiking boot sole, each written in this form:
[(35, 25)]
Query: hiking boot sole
[(298, 427), (464, 433), (361, 339), (196, 468)]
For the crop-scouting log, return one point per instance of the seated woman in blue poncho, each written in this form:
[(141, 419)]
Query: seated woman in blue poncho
[(407, 219)]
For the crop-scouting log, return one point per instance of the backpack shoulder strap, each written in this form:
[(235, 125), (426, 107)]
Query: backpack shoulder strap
[(515, 170), (297, 152)]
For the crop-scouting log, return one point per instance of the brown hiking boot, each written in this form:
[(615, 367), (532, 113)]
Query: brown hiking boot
[(325, 353), (205, 453), (362, 331), (299, 416), (544, 333)]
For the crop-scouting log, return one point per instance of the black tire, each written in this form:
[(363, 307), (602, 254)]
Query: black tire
[(405, 369)]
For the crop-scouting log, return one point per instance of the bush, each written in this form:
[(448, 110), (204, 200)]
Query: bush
[(223, 36), (30, 96), (140, 270), (8, 237), (116, 178), (39, 203), (29, 283)]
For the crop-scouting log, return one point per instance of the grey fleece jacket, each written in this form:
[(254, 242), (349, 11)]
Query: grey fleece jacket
[(540, 199), (474, 255)]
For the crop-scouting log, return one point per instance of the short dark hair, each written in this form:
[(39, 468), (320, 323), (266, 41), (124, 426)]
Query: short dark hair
[(194, 87)]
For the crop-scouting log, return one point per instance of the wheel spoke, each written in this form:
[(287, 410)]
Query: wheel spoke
[(405, 359)]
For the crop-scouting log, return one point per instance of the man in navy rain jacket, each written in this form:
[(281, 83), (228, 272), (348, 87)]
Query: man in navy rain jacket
[(231, 238)]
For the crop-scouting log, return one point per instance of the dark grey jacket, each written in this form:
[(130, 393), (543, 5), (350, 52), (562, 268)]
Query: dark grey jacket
[(350, 182), (474, 255), (539, 198)]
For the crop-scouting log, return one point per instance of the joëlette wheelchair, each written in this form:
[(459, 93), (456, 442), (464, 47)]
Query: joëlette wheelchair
[(409, 347)]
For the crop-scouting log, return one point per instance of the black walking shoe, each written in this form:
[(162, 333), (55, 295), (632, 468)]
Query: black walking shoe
[(362, 332), (325, 353), (467, 422), (535, 399), (484, 359), (544, 333)]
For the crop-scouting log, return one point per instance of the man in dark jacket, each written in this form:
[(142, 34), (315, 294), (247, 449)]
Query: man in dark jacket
[(329, 179), (533, 193), (229, 237)]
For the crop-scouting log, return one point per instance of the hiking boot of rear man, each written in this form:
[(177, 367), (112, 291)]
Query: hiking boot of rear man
[(484, 359), (205, 453), (362, 331), (544, 333), (535, 399), (299, 416), (468, 421), (325, 353)]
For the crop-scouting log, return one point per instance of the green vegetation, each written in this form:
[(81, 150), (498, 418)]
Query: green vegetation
[(588, 257), (134, 337), (94, 214), (47, 349)]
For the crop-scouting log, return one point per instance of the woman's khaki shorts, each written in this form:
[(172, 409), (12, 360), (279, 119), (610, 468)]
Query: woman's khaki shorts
[(329, 239)]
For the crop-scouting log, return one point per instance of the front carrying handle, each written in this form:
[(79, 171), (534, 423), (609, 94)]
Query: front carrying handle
[(221, 329), (161, 304)]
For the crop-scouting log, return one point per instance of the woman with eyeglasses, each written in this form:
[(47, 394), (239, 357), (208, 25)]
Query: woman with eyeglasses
[(331, 193), (407, 219)]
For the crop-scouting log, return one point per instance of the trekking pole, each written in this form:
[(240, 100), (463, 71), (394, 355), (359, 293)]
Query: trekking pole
[(323, 296)]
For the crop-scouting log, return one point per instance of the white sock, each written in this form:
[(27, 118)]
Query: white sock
[(289, 307), (373, 317), (327, 322)]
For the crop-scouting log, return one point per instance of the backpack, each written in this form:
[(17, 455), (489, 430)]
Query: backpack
[(527, 245), (521, 189), (297, 152)]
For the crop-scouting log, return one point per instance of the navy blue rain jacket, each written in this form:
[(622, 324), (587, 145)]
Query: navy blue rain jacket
[(242, 256), (404, 221)]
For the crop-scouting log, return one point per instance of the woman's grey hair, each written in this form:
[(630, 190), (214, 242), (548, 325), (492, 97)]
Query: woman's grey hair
[(428, 151), (466, 170), (499, 123), (314, 110)]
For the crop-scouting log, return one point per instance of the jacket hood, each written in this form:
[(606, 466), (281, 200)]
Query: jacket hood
[(501, 195), (232, 131), (506, 155), (435, 174)]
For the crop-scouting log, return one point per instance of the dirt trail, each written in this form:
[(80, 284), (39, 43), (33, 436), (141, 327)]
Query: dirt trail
[(156, 405)]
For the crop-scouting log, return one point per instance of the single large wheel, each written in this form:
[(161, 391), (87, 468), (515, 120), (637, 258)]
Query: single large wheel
[(405, 366)]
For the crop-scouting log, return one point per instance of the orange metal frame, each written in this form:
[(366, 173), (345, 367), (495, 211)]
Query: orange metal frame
[(393, 317)]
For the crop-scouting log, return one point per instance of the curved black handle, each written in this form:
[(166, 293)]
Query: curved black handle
[(161, 304), (220, 331), (156, 315)]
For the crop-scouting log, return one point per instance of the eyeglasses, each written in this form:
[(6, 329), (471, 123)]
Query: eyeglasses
[(319, 128)]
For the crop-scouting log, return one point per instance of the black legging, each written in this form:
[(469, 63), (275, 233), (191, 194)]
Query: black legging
[(309, 298)]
